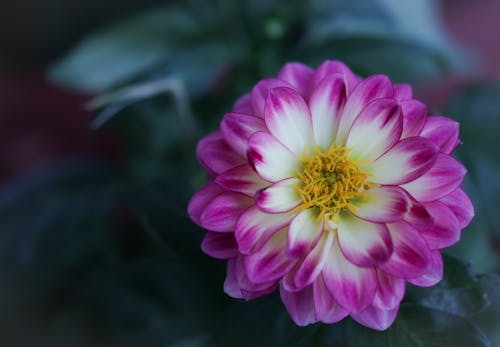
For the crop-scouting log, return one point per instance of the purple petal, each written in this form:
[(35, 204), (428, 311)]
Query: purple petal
[(300, 305), (329, 68), (461, 206), (327, 310), (254, 228), (231, 286), (443, 132), (215, 155), (237, 129), (243, 105), (272, 161), (326, 103), (312, 265), (288, 120), (298, 75), (363, 243), (201, 199), (222, 212), (372, 88), (407, 160), (443, 178), (434, 273), (352, 287), (220, 245), (377, 128), (271, 262), (382, 204), (417, 215), (411, 256), (390, 291), (414, 117), (242, 179), (446, 229), (402, 92), (249, 289), (280, 197), (376, 318), (303, 233), (261, 90)]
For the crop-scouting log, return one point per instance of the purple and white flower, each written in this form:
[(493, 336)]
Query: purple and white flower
[(335, 189)]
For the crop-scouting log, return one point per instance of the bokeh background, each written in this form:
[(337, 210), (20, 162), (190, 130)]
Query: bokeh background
[(101, 104)]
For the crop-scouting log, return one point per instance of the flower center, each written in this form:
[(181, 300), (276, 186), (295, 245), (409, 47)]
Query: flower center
[(329, 181)]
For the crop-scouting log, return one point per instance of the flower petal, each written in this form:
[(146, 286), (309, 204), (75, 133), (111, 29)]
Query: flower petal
[(215, 155), (250, 289), (312, 265), (300, 305), (381, 204), (331, 67), (271, 262), (237, 129), (377, 128), (402, 92), (446, 229), (298, 75), (417, 215), (326, 308), (288, 120), (371, 88), (272, 161), (411, 256), (201, 199), (219, 245), (222, 212), (326, 103), (231, 286), (280, 197), (242, 179), (407, 160), (461, 206), (376, 318), (443, 178), (261, 90), (303, 233), (414, 116), (390, 291), (353, 287), (243, 104), (443, 132), (433, 275), (254, 228), (363, 243)]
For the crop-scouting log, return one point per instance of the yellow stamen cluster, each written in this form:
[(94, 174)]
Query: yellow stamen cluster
[(329, 181)]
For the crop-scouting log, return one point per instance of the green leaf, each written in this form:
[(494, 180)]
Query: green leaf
[(460, 292), (415, 326), (476, 108), (122, 52), (402, 40)]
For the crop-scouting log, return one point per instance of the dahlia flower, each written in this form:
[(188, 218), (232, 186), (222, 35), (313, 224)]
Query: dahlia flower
[(334, 189)]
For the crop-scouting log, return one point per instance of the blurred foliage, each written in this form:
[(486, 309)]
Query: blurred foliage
[(105, 252)]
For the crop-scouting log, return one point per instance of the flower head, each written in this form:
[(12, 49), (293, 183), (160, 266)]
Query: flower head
[(335, 189)]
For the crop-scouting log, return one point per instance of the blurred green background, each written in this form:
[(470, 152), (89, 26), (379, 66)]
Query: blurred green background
[(101, 105)]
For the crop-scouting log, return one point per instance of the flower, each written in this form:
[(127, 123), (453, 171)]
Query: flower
[(335, 189)]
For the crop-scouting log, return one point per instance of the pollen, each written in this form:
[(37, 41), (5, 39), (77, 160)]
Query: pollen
[(329, 181)]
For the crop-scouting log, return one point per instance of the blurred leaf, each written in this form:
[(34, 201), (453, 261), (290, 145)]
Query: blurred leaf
[(399, 38), (41, 212), (134, 46), (415, 326), (460, 292), (477, 110)]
